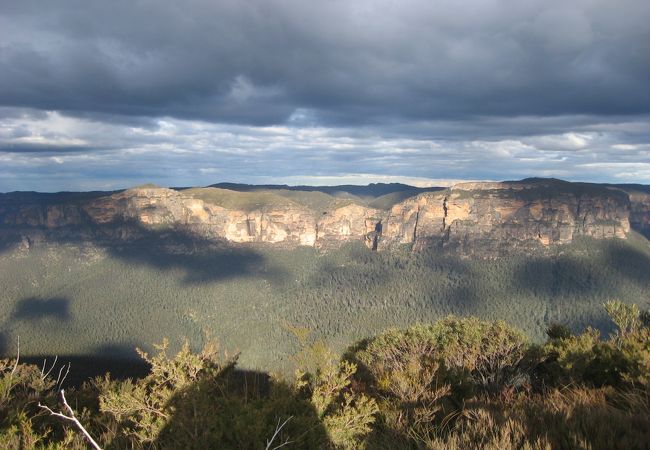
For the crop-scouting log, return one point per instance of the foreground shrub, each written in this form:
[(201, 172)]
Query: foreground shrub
[(622, 361), (142, 408), (459, 383), (462, 352), (326, 380), (200, 400), (570, 418), (23, 424), (421, 375), (626, 317)]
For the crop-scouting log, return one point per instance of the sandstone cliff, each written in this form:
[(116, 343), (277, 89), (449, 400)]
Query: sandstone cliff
[(639, 208), (477, 217), (469, 218)]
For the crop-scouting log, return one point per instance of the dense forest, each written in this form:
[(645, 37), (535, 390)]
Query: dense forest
[(83, 300)]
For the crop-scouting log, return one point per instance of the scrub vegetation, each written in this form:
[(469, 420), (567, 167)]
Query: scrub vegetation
[(455, 384)]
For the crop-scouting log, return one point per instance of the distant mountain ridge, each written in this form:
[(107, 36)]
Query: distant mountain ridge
[(370, 190), (475, 218)]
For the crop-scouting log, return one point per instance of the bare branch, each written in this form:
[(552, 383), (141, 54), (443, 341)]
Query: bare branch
[(60, 380), (71, 418), (17, 359), (278, 428), (46, 374)]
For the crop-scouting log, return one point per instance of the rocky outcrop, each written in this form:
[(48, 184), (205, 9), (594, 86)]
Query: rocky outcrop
[(640, 212), (166, 208), (122, 215), (473, 218), (470, 218)]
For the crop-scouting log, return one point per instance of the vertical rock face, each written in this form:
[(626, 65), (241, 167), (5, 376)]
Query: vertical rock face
[(168, 208), (640, 212), (288, 225), (473, 217), (470, 218), (352, 222)]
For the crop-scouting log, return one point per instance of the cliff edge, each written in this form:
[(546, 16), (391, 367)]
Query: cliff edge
[(468, 218)]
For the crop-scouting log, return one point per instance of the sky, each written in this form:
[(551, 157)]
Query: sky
[(102, 95)]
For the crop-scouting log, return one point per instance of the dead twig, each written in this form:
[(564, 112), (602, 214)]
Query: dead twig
[(71, 418), (17, 359), (278, 428)]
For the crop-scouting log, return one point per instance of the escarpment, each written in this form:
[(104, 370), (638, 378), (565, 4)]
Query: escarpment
[(468, 218), (471, 218), (640, 210)]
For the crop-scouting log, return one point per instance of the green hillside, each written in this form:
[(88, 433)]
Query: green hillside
[(246, 201), (265, 199), (375, 195)]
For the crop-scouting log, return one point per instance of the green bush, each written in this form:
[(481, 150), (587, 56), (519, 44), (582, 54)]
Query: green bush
[(622, 361), (142, 408), (420, 374), (23, 424), (626, 317), (347, 414), (458, 383), (557, 331), (200, 400), (466, 353)]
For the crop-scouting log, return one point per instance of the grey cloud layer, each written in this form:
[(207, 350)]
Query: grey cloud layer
[(256, 62), (107, 94), (179, 152)]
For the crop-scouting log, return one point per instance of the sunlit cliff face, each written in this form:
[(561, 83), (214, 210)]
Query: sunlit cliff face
[(469, 218)]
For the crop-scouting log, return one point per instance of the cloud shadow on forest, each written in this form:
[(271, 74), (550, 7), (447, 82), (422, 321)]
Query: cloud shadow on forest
[(441, 278), (551, 276), (202, 259), (35, 308), (583, 275), (3, 344), (592, 278), (628, 261)]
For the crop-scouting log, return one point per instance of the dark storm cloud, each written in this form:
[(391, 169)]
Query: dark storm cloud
[(109, 94), (43, 148), (372, 62)]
